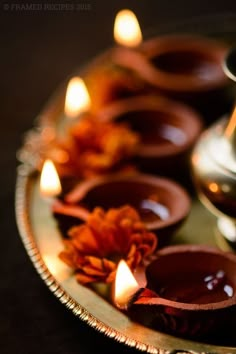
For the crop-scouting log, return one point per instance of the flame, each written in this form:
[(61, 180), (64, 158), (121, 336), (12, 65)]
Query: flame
[(77, 98), (125, 285), (126, 29), (50, 185)]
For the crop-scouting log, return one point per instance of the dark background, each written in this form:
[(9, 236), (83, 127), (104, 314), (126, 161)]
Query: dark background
[(39, 49)]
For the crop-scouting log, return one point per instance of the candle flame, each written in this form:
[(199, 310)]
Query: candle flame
[(126, 29), (50, 185), (125, 285), (77, 98)]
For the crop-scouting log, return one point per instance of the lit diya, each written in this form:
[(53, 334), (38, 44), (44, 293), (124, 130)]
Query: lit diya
[(79, 144), (183, 67), (152, 133), (167, 131), (106, 80), (185, 64), (190, 292), (161, 203)]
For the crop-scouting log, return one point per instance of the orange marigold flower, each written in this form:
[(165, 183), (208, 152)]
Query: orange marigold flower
[(92, 147), (94, 249), (108, 83)]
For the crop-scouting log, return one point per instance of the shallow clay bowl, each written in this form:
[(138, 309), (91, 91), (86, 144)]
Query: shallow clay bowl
[(193, 292), (162, 203), (186, 63), (177, 63), (184, 67), (167, 129)]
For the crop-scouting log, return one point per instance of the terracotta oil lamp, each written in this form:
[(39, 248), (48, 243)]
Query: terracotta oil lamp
[(108, 81), (184, 67), (162, 203), (190, 292), (186, 64), (167, 129)]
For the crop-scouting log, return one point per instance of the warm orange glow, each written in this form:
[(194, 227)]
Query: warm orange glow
[(77, 98), (60, 155), (125, 285), (50, 185), (213, 187), (126, 29), (231, 125)]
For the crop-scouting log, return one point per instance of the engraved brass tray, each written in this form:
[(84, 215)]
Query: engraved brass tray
[(43, 242)]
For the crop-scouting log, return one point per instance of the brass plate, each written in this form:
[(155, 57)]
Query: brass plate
[(43, 242)]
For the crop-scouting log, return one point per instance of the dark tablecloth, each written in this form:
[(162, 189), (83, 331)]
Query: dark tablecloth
[(40, 47)]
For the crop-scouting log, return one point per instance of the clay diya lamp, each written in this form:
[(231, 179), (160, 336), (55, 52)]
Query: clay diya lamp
[(184, 67), (190, 292), (108, 82), (167, 130), (162, 203)]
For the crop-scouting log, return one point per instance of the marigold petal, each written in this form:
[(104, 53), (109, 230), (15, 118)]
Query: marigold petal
[(107, 264), (144, 250), (83, 239), (132, 250), (151, 239), (111, 277), (139, 226), (95, 262), (84, 278), (89, 270), (67, 258)]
